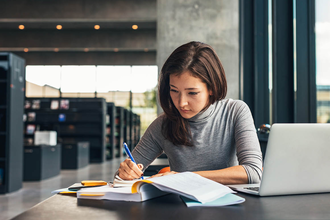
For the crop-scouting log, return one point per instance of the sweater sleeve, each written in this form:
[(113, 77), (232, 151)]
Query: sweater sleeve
[(150, 145), (247, 143)]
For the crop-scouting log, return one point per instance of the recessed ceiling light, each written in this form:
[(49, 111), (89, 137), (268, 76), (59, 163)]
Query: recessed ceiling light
[(86, 49), (116, 49), (21, 27), (135, 27), (97, 27), (26, 50), (59, 27), (56, 49)]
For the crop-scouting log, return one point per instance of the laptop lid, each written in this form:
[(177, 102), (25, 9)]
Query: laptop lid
[(297, 160)]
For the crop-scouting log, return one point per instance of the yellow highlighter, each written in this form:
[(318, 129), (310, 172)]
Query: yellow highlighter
[(67, 192), (94, 194), (93, 183)]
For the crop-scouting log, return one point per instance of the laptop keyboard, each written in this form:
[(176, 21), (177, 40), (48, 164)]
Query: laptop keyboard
[(252, 188)]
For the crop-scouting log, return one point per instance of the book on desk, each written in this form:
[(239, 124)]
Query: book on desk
[(193, 188)]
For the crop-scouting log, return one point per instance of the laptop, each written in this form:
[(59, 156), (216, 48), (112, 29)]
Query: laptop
[(297, 161)]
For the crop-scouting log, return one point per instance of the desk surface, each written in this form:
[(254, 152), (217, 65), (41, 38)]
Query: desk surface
[(313, 206)]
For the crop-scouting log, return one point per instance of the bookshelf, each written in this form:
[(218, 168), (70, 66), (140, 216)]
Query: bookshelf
[(12, 91), (74, 119), (127, 128), (119, 132), (136, 129), (110, 130)]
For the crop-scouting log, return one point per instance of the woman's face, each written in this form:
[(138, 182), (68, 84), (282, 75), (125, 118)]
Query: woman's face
[(189, 94)]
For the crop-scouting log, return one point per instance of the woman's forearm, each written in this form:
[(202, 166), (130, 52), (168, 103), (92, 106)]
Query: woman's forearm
[(230, 175)]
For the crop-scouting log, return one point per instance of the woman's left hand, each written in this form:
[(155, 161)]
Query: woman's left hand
[(163, 174)]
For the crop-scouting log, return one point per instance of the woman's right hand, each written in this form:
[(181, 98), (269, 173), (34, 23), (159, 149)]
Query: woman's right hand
[(128, 170)]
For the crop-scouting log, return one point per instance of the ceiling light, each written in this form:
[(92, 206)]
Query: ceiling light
[(97, 27), (21, 27), (135, 27), (56, 49), (59, 27), (86, 49), (116, 49), (26, 50)]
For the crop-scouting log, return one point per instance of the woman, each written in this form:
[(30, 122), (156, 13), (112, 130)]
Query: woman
[(200, 131)]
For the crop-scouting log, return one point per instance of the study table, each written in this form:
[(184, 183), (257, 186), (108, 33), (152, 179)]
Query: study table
[(170, 207)]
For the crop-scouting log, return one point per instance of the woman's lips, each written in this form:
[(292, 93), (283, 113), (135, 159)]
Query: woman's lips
[(184, 110)]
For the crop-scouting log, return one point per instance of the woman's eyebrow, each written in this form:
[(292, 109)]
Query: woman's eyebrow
[(190, 88), (185, 88)]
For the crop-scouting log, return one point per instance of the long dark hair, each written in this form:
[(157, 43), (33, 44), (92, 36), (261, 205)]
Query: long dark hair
[(201, 61)]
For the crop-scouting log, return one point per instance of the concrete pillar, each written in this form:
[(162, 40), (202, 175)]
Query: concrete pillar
[(214, 22)]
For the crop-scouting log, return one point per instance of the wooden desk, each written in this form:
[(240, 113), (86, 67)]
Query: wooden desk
[(170, 207)]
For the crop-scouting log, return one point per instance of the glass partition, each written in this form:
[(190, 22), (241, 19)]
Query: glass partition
[(322, 38)]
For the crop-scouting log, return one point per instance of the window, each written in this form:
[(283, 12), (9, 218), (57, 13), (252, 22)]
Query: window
[(115, 84), (322, 32)]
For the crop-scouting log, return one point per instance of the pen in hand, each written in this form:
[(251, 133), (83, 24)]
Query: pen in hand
[(130, 155)]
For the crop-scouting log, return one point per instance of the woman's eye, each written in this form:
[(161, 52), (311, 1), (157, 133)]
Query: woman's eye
[(193, 93), (172, 90)]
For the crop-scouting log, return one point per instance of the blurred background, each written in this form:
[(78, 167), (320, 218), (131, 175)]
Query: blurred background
[(88, 71)]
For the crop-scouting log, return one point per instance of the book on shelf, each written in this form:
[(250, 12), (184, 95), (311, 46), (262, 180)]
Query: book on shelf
[(35, 104), (117, 121), (65, 103), (30, 129), (27, 104), (31, 116), (186, 184), (28, 141), (61, 117), (54, 105)]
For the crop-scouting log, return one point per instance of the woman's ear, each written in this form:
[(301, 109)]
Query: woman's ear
[(210, 92)]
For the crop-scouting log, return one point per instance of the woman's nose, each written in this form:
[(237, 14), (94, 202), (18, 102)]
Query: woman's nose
[(183, 101)]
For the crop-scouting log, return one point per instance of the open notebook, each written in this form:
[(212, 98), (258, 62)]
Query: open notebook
[(119, 182), (187, 184)]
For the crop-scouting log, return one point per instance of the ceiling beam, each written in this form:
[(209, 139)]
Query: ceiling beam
[(89, 58), (138, 40)]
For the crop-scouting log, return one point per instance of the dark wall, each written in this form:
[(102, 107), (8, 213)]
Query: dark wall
[(64, 9)]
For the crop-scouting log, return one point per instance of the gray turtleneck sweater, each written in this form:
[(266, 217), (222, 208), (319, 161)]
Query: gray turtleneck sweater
[(224, 136)]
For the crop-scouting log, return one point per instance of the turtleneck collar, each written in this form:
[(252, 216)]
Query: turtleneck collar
[(203, 115)]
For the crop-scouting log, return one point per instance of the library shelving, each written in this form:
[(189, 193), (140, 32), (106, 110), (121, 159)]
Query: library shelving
[(127, 128), (136, 129), (110, 130), (74, 119), (131, 131), (12, 92), (119, 132)]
